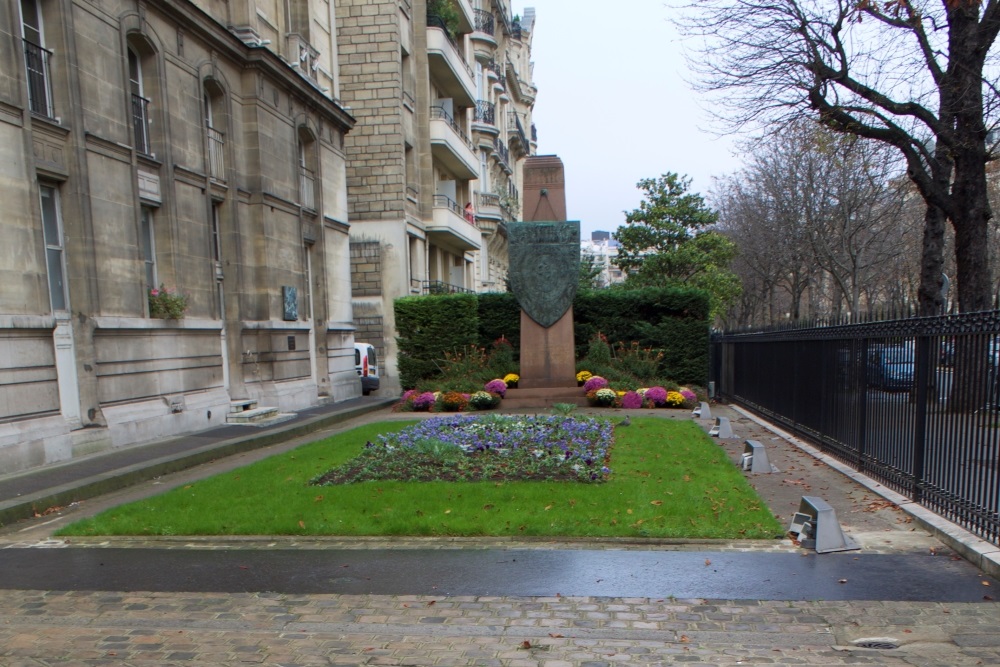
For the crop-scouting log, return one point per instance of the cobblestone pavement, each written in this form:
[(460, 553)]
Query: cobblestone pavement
[(142, 629)]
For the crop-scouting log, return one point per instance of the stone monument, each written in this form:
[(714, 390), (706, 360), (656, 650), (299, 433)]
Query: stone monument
[(544, 274)]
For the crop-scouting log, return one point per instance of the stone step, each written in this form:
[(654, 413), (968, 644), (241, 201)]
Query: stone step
[(541, 402), (253, 416), (242, 405), (543, 397)]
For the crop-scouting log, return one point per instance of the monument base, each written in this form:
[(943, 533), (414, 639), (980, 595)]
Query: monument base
[(548, 358)]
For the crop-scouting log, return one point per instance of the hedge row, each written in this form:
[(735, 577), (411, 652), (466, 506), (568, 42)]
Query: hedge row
[(675, 320)]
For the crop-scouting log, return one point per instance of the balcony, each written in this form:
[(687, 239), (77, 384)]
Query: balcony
[(36, 64), (449, 70), (484, 28), (451, 147), (518, 132), (484, 119), (466, 16), (449, 228), (216, 154), (502, 155), (140, 124)]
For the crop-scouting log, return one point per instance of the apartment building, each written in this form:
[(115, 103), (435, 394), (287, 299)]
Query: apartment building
[(197, 145), (442, 92)]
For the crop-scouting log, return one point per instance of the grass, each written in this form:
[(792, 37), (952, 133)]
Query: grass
[(669, 480)]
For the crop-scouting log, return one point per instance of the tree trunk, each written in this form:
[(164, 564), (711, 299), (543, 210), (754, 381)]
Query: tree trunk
[(930, 300)]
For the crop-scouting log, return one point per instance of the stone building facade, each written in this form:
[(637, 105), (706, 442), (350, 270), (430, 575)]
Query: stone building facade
[(197, 145), (442, 93)]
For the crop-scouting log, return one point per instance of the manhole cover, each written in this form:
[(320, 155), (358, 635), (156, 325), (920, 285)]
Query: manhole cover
[(883, 644)]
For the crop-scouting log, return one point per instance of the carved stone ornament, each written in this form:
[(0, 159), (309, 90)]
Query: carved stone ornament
[(544, 268)]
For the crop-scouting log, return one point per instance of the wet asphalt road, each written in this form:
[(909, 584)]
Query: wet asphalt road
[(484, 572)]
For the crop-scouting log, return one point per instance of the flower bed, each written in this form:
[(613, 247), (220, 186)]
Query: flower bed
[(494, 448)]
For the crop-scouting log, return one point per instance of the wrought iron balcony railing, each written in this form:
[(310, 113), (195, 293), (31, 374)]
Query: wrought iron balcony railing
[(485, 22), (440, 287), (486, 112), (140, 123), (440, 113), (500, 150), (519, 129), (36, 64), (216, 154), (534, 133)]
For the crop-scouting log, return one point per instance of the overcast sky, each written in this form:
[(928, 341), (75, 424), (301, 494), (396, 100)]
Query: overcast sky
[(613, 105)]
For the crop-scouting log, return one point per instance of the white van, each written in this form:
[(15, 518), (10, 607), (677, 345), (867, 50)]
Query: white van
[(366, 364)]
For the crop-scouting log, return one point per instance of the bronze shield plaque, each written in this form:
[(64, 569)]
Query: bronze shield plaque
[(544, 267)]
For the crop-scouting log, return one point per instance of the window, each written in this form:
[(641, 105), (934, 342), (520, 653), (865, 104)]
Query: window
[(140, 104), (307, 175), (147, 247), (36, 59), (52, 230), (213, 127)]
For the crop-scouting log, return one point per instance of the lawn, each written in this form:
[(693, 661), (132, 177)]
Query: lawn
[(668, 480)]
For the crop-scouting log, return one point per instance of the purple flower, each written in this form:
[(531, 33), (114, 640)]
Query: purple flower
[(496, 387), (594, 383), (424, 401), (689, 395), (632, 400), (658, 395)]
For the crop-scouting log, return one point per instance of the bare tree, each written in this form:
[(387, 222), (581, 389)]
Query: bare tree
[(909, 73)]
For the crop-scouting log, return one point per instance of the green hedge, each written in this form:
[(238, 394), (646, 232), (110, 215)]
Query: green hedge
[(675, 320), (429, 326)]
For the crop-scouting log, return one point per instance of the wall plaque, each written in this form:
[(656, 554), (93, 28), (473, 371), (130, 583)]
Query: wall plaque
[(544, 267)]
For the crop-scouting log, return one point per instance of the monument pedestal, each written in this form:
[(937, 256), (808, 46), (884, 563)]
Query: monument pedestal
[(547, 354)]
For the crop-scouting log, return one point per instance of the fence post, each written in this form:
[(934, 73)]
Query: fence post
[(862, 406), (921, 379)]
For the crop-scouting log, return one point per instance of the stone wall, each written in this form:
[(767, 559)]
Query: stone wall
[(366, 268)]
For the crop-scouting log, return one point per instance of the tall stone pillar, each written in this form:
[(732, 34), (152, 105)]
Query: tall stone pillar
[(544, 273)]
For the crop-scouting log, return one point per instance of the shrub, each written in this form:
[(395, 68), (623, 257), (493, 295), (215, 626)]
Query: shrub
[(484, 400), (674, 399), (453, 401), (642, 362), (501, 357), (496, 387), (430, 327), (631, 400), (598, 350), (602, 398), (594, 383), (657, 396), (423, 402)]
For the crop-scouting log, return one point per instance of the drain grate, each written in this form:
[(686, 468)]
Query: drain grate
[(882, 644)]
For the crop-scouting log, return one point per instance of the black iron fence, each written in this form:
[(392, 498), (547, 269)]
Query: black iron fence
[(913, 403)]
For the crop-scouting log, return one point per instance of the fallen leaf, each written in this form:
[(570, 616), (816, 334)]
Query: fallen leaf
[(447, 511), (317, 499), (548, 507), (707, 562), (656, 502), (302, 524), (526, 644), (555, 636), (431, 603), (986, 583), (909, 632), (684, 639)]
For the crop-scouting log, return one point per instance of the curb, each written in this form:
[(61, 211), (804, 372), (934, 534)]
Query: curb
[(27, 506)]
